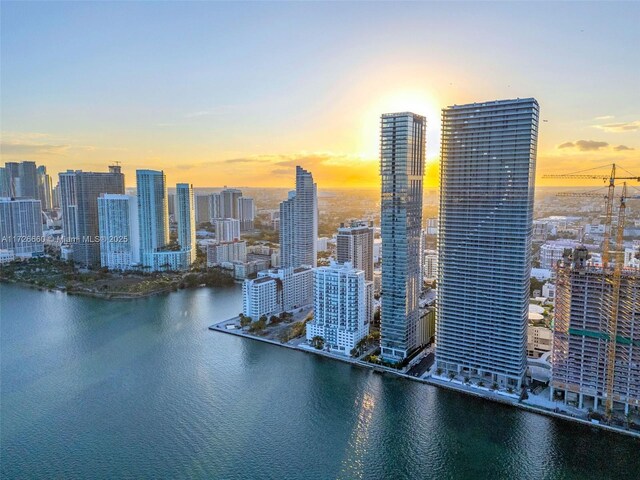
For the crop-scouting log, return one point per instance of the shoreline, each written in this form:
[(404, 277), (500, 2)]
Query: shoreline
[(102, 295), (218, 327)]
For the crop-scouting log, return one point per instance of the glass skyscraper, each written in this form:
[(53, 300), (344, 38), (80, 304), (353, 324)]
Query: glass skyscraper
[(402, 156), (486, 206)]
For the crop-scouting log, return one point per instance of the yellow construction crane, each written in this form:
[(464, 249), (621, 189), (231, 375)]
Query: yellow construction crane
[(615, 277), (582, 175)]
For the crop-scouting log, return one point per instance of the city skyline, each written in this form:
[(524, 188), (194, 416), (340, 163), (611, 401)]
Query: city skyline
[(204, 120)]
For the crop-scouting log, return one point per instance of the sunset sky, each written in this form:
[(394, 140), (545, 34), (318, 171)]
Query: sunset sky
[(238, 94)]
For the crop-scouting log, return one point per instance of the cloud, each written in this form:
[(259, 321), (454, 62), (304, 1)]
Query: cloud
[(14, 148), (620, 127), (246, 160), (585, 145), (620, 148), (604, 117)]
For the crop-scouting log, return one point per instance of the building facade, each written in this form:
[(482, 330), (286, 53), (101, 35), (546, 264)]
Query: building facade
[(354, 244), (226, 252), (276, 291), (119, 231), (21, 227), (227, 229), (246, 213), (402, 157), (583, 306), (339, 307), (486, 207), (79, 192), (299, 223), (186, 219)]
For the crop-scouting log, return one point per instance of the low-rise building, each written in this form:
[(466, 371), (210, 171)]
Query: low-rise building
[(226, 252), (277, 290), (539, 340)]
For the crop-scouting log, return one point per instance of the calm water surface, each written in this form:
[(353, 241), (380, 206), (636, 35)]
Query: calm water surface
[(141, 389)]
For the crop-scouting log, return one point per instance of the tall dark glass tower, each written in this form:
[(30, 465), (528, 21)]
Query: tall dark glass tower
[(402, 156)]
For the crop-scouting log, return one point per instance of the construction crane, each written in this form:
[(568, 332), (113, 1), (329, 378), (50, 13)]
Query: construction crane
[(615, 277), (609, 197), (615, 301)]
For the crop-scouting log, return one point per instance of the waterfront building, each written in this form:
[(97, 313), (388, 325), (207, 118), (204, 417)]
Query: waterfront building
[(583, 306), (484, 258), (202, 208), (119, 231), (299, 223), (402, 157), (277, 290), (153, 211), (339, 307), (227, 229), (226, 252), (6, 256), (246, 213), (354, 244), (79, 192), (156, 254), (186, 219), (21, 227)]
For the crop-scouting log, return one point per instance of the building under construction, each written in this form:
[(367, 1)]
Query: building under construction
[(594, 305)]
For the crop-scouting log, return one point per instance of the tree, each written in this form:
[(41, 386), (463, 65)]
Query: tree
[(494, 386), (317, 342), (467, 379), (244, 320), (452, 375), (439, 371), (481, 383)]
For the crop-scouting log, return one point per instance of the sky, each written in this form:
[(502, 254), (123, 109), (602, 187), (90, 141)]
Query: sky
[(239, 93)]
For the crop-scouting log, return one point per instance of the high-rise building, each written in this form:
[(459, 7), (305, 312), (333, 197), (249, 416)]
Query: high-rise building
[(215, 207), (227, 229), (354, 244), (186, 219), (402, 157), (585, 298), (119, 231), (20, 179), (202, 208), (246, 213), (286, 226), (45, 191), (299, 223), (486, 206), (153, 211), (21, 227), (339, 307), (79, 192), (229, 203), (5, 181)]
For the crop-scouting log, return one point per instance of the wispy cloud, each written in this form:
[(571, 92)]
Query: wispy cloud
[(13, 148), (621, 148), (620, 127), (584, 145), (604, 117)]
